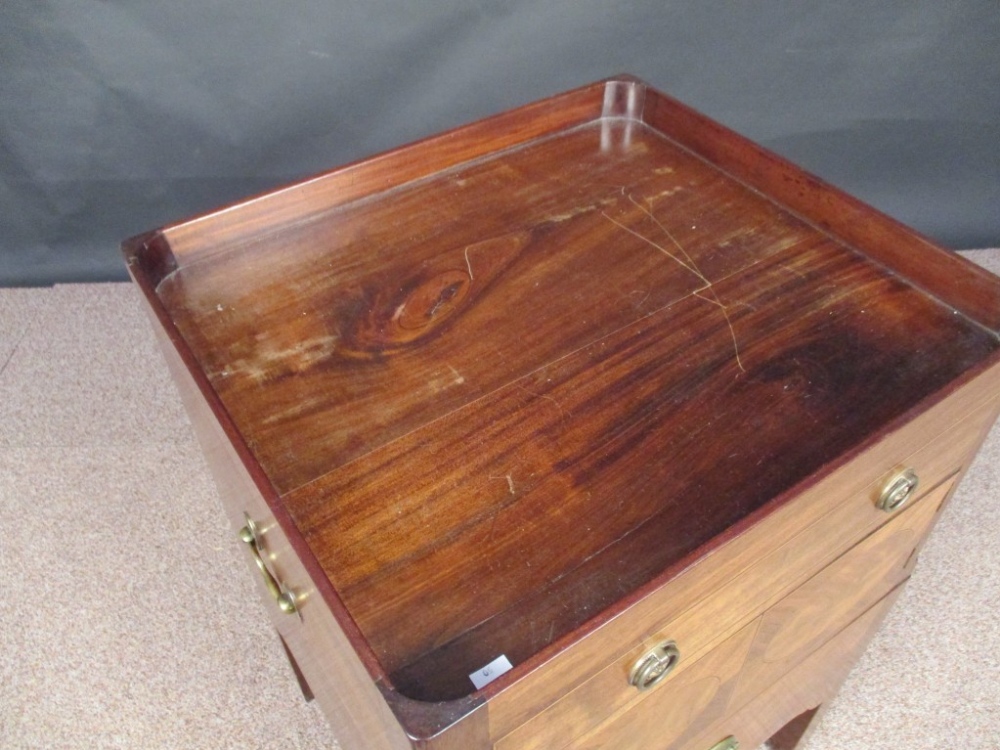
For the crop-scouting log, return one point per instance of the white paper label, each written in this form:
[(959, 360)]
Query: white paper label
[(485, 675)]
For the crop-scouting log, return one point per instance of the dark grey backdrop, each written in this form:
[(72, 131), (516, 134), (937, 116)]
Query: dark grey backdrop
[(116, 117)]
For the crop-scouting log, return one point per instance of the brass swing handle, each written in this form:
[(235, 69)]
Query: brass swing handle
[(284, 599)]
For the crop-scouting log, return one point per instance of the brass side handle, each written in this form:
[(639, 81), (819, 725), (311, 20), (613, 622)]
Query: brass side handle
[(651, 668), (250, 535), (898, 490), (730, 743)]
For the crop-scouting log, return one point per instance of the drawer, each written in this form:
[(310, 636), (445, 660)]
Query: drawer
[(699, 624), (782, 637), (748, 573), (682, 705)]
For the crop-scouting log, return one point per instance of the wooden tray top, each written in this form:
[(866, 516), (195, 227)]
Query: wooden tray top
[(501, 395)]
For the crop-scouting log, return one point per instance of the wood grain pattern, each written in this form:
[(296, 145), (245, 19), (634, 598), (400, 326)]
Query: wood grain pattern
[(781, 567), (433, 332), (543, 384), (670, 712), (326, 657), (572, 432), (808, 686), (785, 636), (968, 287), (627, 437), (818, 609), (402, 310), (925, 443)]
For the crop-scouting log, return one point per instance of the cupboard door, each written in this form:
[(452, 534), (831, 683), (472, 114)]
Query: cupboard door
[(795, 696), (821, 607)]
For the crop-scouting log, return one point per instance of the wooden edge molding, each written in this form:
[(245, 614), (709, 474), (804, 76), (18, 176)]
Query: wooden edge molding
[(399, 166), (145, 275), (943, 274), (924, 263), (150, 255), (436, 725)]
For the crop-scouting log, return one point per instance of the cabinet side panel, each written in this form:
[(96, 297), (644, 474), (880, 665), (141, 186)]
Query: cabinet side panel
[(338, 679)]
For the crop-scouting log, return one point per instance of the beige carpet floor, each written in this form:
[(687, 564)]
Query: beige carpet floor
[(128, 619)]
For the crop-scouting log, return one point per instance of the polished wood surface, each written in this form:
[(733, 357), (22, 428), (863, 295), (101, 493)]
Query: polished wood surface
[(926, 443), (816, 611), (548, 384), (564, 333), (967, 287), (671, 712), (806, 688), (871, 568), (323, 654), (785, 636)]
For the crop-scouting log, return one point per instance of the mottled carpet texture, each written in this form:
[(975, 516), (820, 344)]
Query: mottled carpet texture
[(129, 620)]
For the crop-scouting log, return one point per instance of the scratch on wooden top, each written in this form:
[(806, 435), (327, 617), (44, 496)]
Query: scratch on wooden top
[(689, 264)]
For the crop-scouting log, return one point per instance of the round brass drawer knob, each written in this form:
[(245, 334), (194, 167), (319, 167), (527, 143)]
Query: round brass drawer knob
[(898, 490), (730, 743), (651, 668)]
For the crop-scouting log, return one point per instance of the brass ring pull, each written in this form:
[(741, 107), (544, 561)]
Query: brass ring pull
[(898, 491), (730, 743), (284, 599), (651, 668)]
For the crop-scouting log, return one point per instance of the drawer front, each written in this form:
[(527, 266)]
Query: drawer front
[(782, 563), (785, 635), (739, 580), (680, 707)]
